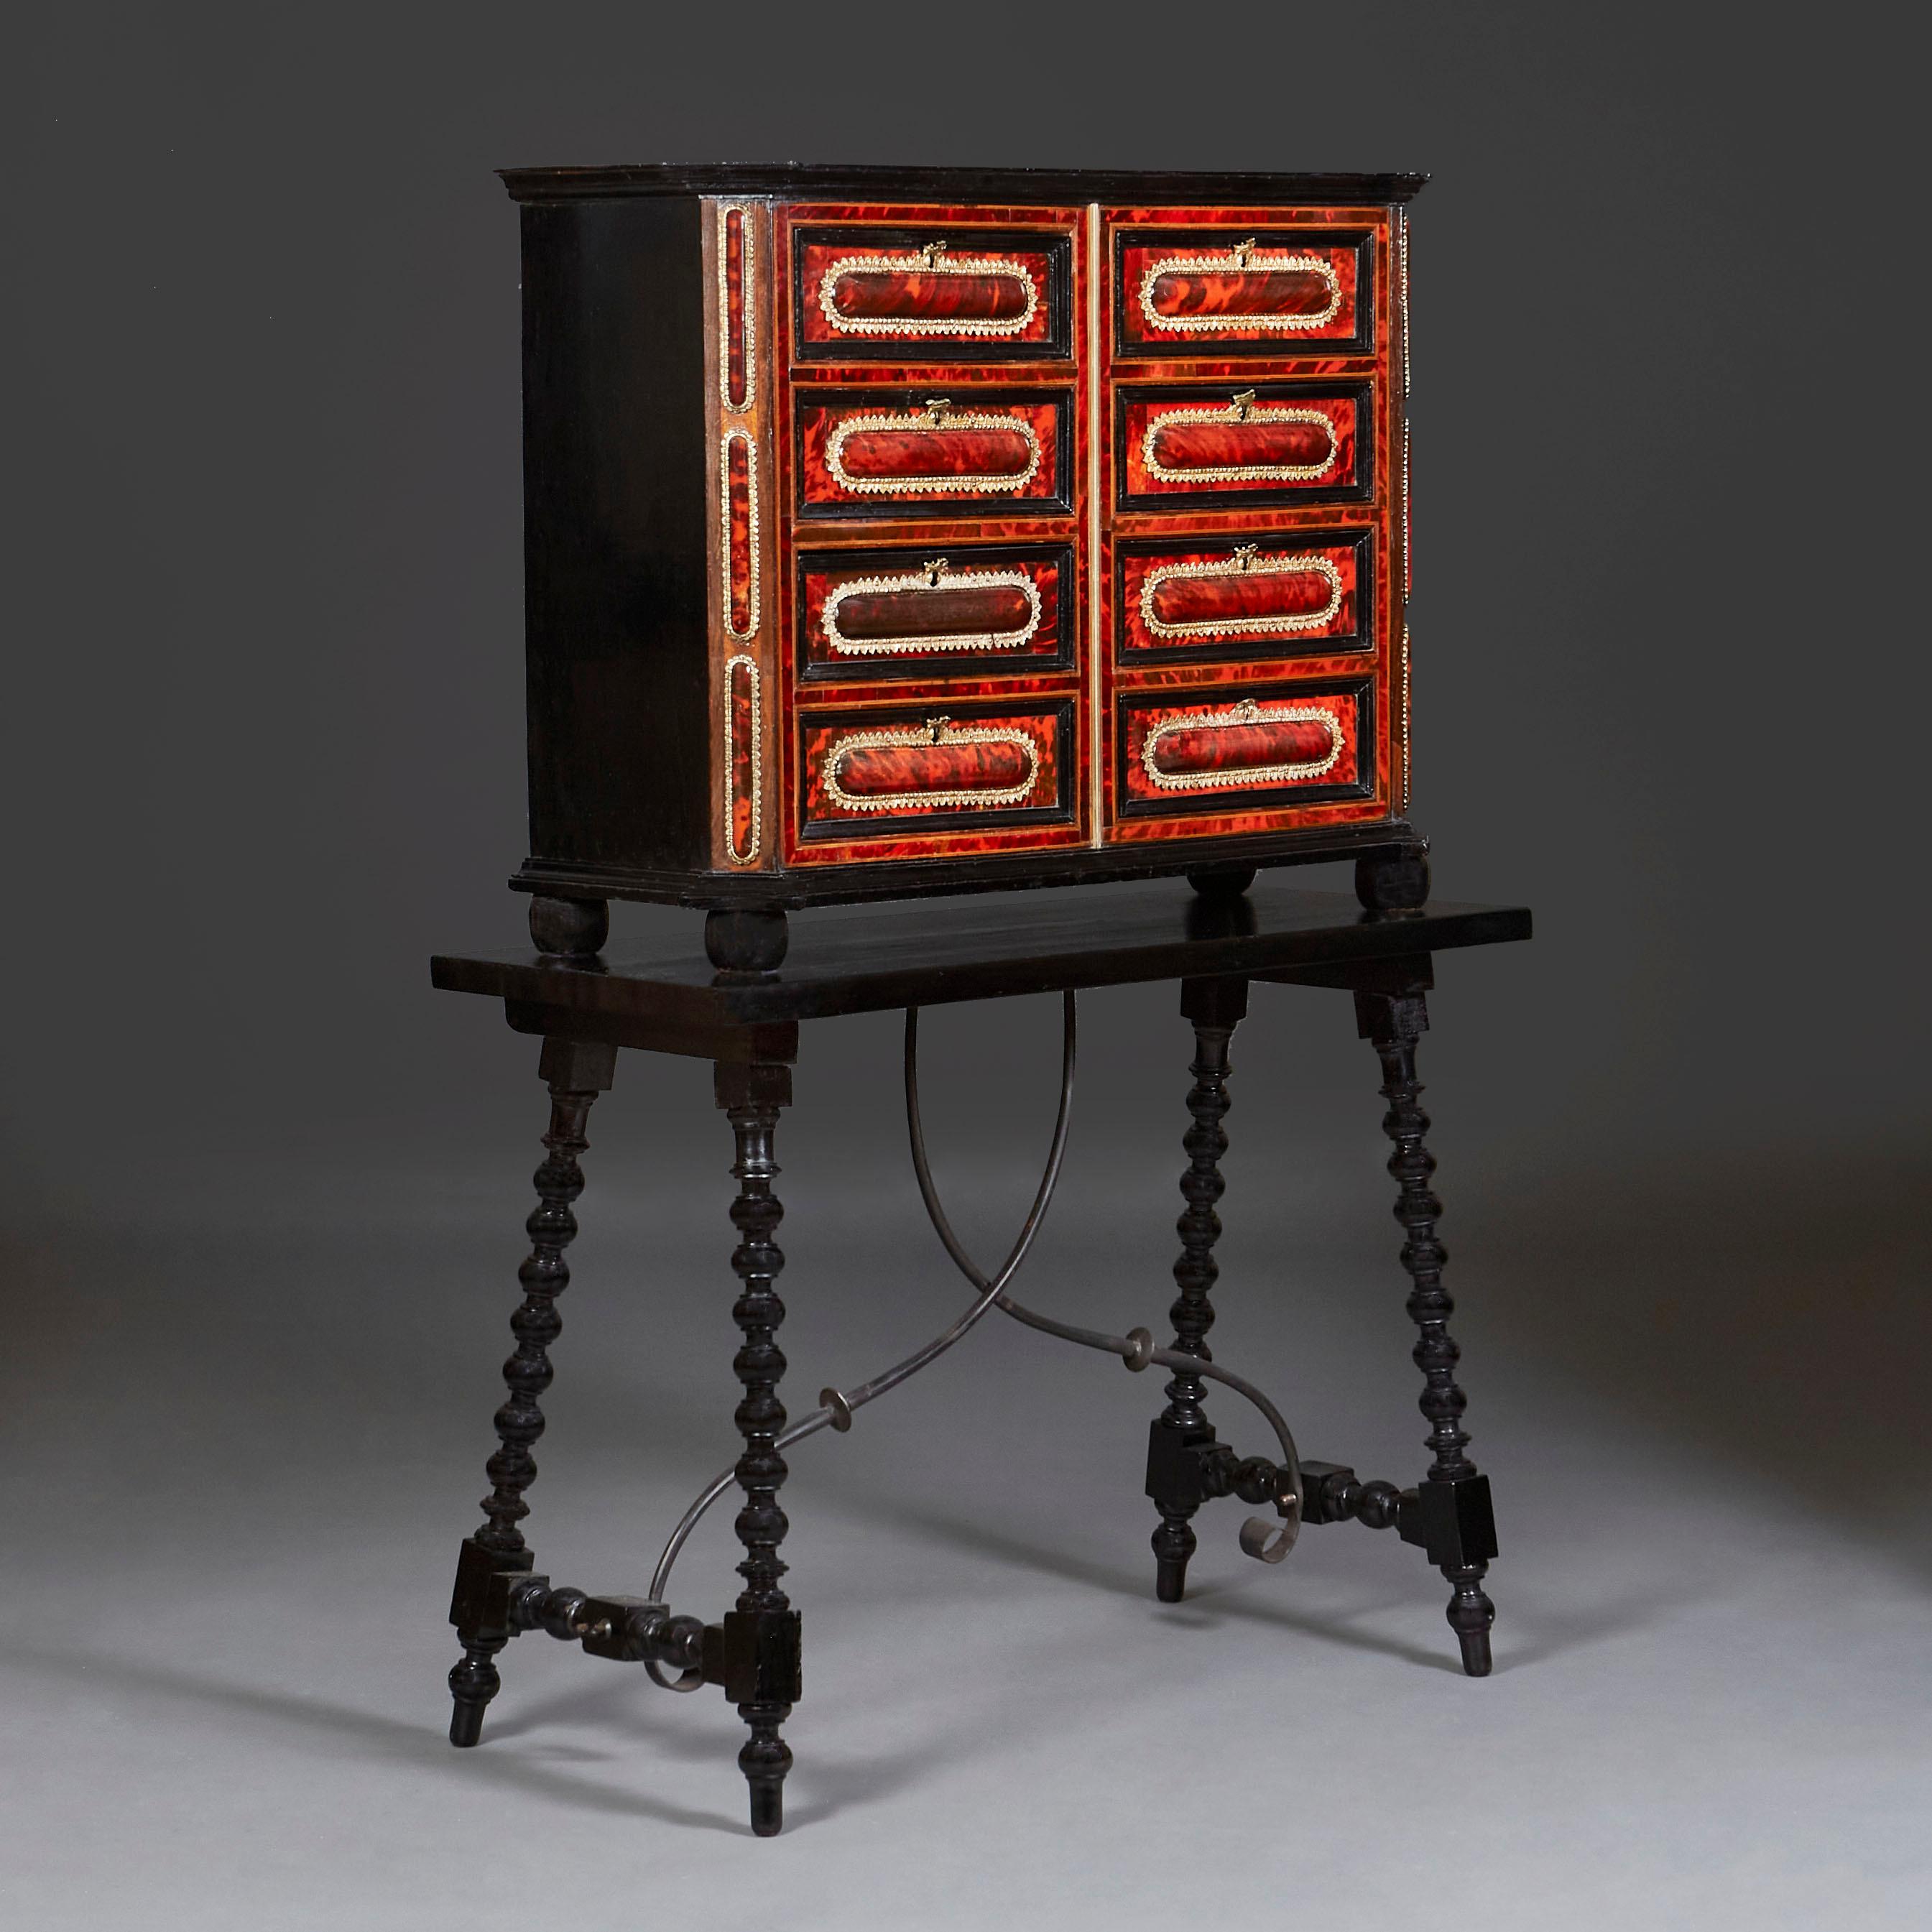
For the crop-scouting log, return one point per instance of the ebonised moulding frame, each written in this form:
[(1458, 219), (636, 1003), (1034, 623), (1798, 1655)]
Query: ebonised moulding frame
[(1219, 945), (1013, 187)]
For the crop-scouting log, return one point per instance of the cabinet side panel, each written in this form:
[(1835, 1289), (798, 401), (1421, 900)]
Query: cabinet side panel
[(614, 421), (740, 503), (1401, 571)]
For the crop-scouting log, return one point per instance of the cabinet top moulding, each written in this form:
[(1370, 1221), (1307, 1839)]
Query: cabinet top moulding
[(794, 181)]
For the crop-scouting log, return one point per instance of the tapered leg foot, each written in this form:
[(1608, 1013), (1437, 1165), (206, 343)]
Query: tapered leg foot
[(472, 1683), (764, 1760), (1470, 1614), (1174, 1543)]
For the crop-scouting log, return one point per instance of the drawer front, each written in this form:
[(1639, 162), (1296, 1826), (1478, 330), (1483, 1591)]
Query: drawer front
[(1179, 751), (1205, 291), (913, 295), (867, 614), (1276, 595), (888, 454), (1282, 442), (867, 772)]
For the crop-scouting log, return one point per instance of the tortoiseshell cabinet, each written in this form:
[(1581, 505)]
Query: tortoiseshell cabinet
[(893, 531)]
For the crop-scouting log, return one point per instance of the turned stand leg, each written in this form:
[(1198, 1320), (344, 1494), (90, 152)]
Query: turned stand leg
[(1216, 1007), (761, 1632), (1453, 1519), (577, 1072)]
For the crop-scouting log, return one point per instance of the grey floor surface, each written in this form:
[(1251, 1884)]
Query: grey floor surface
[(232, 1534)]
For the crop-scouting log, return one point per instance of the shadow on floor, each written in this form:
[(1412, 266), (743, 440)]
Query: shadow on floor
[(1772, 1318)]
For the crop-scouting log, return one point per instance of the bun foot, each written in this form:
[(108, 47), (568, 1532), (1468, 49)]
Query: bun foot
[(749, 939), (1221, 882), (1399, 884), (569, 929)]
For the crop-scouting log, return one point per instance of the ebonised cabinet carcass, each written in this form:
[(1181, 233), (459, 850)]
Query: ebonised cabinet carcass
[(893, 531)]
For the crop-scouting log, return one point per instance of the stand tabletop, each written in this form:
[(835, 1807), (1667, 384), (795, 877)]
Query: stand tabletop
[(934, 952)]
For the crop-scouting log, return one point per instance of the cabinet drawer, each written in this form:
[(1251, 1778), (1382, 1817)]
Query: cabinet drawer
[(1275, 595), (887, 454), (878, 613), (1179, 751), (866, 772), (1219, 291), (913, 295), (1282, 442)]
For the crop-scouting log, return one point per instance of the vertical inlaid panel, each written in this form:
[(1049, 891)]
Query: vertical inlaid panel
[(737, 365), (1400, 272), (744, 761), (739, 516), (740, 566)]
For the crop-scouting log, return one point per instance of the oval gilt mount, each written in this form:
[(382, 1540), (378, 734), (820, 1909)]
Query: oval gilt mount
[(1245, 441), (930, 767), (1243, 744), (927, 292), (934, 450), (1244, 595), (932, 609), (1239, 289)]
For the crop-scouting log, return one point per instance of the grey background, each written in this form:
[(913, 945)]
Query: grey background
[(263, 754)]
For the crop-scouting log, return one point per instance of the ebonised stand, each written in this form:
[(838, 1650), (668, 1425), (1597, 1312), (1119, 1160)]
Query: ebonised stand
[(1216, 944)]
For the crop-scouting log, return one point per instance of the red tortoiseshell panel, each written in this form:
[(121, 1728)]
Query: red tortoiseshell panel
[(1280, 442), (871, 455), (1185, 292), (739, 485), (742, 695), (1219, 744), (889, 618), (967, 773), (1271, 594), (1235, 751), (977, 455), (867, 771), (1184, 441), (856, 288), (737, 391), (909, 613)]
